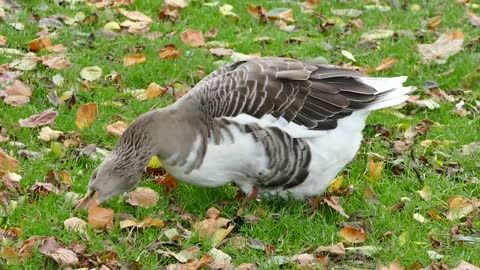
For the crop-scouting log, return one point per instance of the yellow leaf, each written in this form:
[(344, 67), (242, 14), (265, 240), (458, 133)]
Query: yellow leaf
[(154, 163), (335, 184), (374, 169), (86, 114)]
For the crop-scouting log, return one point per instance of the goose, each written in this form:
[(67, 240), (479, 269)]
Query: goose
[(273, 126)]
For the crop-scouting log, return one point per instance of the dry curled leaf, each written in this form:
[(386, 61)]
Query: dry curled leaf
[(459, 207), (45, 118), (353, 235), (285, 14), (134, 59), (91, 73), (38, 44), (135, 15), (100, 218), (374, 169), (7, 163), (86, 114), (56, 61), (193, 37), (47, 134), (143, 197), (474, 19), (445, 46), (117, 128), (154, 90), (386, 64), (169, 52), (147, 222)]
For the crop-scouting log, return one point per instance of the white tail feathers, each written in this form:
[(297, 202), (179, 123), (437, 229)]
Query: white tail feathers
[(391, 91)]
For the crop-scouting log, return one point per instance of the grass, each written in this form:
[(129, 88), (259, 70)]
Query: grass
[(286, 226)]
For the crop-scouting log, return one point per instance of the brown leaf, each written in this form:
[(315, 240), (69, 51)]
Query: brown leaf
[(45, 118), (394, 265), (459, 207), (3, 41), (64, 257), (18, 94), (117, 128), (100, 218), (10, 180), (7, 163), (9, 254), (214, 227), (434, 22), (474, 19), (386, 64), (134, 59), (310, 4), (135, 15), (353, 235), (154, 90), (168, 181), (337, 249), (285, 14), (193, 38), (212, 33), (38, 44), (445, 46), (147, 222), (169, 52), (56, 61), (86, 114), (333, 202), (257, 11), (143, 197), (26, 250)]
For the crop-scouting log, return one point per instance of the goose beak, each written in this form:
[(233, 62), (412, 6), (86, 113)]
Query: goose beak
[(89, 200)]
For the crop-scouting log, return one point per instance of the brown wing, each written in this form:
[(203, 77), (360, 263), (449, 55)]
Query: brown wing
[(314, 96)]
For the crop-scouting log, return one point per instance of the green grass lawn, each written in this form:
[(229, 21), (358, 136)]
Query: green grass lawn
[(283, 225)]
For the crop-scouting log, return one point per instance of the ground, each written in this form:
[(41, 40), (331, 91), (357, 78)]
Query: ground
[(434, 157)]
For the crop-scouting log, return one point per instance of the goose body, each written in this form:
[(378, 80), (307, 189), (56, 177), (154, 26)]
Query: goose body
[(281, 126)]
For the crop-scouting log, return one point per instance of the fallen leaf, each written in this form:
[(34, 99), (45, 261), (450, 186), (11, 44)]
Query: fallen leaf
[(75, 224), (353, 235), (285, 14), (474, 19), (471, 148), (56, 61), (193, 38), (100, 218), (386, 64), (10, 180), (18, 94), (43, 189), (220, 52), (38, 44), (227, 11), (377, 34), (117, 128), (310, 4), (3, 41), (9, 254), (374, 169), (445, 46), (45, 118), (134, 59), (434, 22), (147, 222), (143, 197), (418, 217), (64, 257), (154, 90), (433, 255), (169, 52), (394, 265), (168, 181), (47, 134), (426, 193), (348, 55), (459, 207), (86, 114), (91, 73), (257, 11), (466, 266), (29, 62), (135, 15), (333, 202), (337, 249), (370, 195), (353, 13), (213, 227)]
